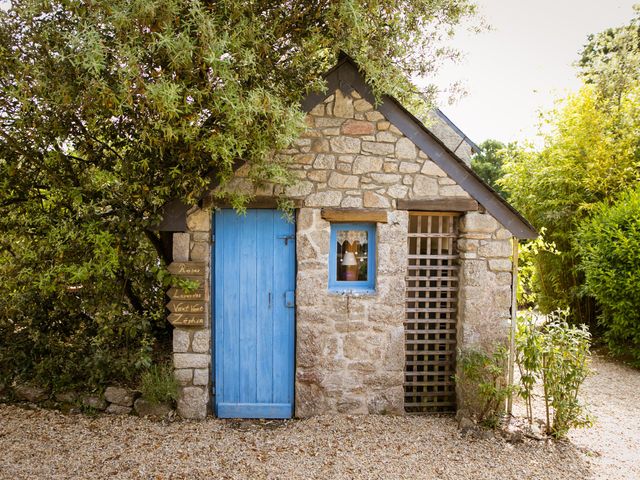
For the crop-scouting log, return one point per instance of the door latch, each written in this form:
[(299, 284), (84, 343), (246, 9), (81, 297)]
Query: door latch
[(286, 238)]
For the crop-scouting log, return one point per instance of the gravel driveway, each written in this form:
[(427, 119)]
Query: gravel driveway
[(47, 444)]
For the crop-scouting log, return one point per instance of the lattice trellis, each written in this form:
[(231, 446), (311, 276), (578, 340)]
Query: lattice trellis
[(431, 312)]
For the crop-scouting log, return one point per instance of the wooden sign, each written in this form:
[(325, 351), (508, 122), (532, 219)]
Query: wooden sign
[(181, 294), (187, 319), (187, 308), (186, 268), (198, 280), (177, 306)]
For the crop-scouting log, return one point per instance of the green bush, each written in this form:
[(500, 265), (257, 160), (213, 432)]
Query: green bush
[(158, 384), (609, 248), (557, 355), (484, 380)]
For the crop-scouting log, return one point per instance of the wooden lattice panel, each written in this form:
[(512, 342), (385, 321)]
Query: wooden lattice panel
[(431, 312)]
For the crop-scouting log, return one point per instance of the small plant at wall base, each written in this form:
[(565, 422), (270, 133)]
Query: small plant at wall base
[(557, 355), (483, 378), (158, 385)]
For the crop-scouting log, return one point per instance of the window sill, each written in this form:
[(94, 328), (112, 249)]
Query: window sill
[(352, 292)]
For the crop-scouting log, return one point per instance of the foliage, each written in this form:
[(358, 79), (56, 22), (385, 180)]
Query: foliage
[(483, 377), (531, 280), (556, 354), (158, 384), (610, 60), (488, 163), (608, 245), (590, 156), (110, 109)]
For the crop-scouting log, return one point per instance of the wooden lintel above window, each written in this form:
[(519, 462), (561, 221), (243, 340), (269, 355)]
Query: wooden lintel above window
[(354, 215), (439, 205)]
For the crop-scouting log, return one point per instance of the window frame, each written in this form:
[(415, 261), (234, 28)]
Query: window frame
[(359, 286)]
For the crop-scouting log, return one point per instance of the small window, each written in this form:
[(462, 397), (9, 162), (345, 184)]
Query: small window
[(352, 259)]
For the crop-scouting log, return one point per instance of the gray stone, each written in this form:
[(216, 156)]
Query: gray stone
[(116, 409), (342, 106), (95, 402), (299, 189), (145, 408), (338, 180), (181, 340), (466, 425), (201, 376), (325, 162), (374, 200), (345, 144), (366, 164), (192, 403), (452, 191), (183, 376), (30, 393), (386, 137), (495, 248), (199, 221), (201, 341), (374, 116), (190, 360), (120, 396), (386, 178), (354, 202), (398, 191), (425, 186), (362, 105), (430, 168), (200, 251), (323, 199), (378, 148), (405, 149), (409, 167), (500, 265), (181, 243), (478, 222)]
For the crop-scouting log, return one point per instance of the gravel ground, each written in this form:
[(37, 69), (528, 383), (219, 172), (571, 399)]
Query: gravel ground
[(612, 445), (38, 443)]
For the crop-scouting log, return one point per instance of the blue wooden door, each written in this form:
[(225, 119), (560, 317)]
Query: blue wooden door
[(254, 314)]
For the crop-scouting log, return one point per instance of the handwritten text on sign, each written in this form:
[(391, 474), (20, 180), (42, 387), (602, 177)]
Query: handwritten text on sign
[(187, 319), (187, 307), (177, 306)]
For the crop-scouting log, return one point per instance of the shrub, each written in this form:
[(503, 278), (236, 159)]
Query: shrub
[(609, 248), (556, 354), (158, 384), (483, 378)]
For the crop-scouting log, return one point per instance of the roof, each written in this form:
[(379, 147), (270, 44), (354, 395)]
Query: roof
[(346, 76)]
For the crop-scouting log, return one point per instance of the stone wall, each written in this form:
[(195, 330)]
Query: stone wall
[(350, 347), (191, 345)]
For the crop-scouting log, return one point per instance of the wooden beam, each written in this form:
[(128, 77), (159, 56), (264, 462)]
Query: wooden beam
[(439, 205), (256, 202), (354, 215)]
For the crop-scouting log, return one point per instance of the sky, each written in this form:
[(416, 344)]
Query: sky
[(523, 64)]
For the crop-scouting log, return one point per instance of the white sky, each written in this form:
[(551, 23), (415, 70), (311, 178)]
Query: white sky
[(524, 63)]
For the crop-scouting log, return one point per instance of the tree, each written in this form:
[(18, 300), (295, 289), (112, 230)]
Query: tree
[(589, 157), (110, 109), (488, 163), (610, 60)]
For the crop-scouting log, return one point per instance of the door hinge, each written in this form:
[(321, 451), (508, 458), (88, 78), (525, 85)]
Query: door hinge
[(213, 238), (286, 238)]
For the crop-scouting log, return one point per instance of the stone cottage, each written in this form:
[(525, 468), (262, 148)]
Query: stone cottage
[(398, 256)]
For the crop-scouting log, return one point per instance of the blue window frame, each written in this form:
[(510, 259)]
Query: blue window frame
[(352, 257)]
